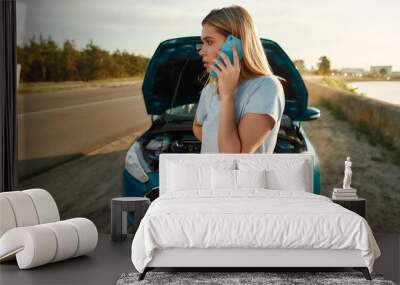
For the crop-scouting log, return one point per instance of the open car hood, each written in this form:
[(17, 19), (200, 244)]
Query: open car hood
[(175, 76)]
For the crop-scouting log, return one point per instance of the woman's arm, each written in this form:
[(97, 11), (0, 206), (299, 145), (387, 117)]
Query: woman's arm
[(253, 129), (197, 129), (262, 111), (228, 137), (245, 138)]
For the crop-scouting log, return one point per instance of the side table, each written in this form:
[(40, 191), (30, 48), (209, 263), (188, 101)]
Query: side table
[(119, 216), (358, 205)]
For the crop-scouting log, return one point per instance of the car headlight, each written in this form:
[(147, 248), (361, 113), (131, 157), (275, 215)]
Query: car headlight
[(135, 164)]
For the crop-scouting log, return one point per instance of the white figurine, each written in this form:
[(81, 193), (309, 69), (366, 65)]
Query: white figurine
[(347, 174)]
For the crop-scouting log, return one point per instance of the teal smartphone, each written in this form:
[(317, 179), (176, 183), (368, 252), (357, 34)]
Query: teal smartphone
[(227, 48)]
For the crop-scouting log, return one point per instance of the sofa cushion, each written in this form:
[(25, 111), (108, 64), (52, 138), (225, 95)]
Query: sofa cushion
[(51, 242), (7, 218), (45, 205), (27, 208), (23, 208)]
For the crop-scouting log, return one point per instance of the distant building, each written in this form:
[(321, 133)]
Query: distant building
[(353, 72), (387, 69), (395, 73)]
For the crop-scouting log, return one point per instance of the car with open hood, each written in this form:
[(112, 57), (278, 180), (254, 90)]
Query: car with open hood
[(171, 88)]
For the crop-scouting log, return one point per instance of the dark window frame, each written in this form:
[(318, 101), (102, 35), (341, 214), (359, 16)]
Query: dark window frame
[(8, 92)]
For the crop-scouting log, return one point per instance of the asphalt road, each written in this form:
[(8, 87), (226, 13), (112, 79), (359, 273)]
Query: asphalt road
[(55, 127), (35, 102)]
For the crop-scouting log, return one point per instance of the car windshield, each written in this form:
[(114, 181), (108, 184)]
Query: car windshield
[(186, 111)]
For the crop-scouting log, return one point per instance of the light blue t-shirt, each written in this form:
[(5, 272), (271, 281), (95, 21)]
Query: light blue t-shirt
[(261, 95)]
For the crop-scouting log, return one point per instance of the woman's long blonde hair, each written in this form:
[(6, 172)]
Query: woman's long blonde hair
[(237, 21)]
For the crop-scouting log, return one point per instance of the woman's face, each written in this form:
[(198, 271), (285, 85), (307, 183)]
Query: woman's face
[(212, 43)]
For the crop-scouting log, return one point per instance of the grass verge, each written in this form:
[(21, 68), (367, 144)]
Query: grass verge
[(336, 111), (334, 82), (45, 87), (361, 128)]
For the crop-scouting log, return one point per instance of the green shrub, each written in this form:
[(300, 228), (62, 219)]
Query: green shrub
[(338, 84), (336, 111)]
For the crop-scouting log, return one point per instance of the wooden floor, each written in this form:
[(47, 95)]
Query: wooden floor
[(110, 259)]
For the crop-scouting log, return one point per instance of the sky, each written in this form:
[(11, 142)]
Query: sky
[(351, 33)]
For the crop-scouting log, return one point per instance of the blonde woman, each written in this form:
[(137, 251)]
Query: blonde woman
[(241, 110)]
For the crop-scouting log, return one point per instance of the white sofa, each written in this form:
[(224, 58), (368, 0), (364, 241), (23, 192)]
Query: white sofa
[(31, 231), (282, 222)]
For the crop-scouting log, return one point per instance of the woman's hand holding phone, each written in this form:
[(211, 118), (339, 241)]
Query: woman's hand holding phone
[(228, 74)]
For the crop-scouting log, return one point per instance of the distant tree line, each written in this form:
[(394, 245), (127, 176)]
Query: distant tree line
[(43, 60), (323, 66)]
